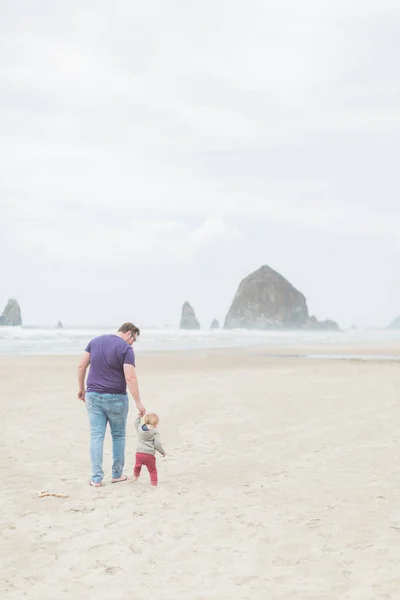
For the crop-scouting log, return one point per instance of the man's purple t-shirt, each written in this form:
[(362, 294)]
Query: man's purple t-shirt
[(108, 355)]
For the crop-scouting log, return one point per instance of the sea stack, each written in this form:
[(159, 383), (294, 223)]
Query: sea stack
[(188, 318), (395, 324), (11, 314), (266, 300)]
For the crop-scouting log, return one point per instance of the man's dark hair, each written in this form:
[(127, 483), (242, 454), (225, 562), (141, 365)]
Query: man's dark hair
[(129, 327)]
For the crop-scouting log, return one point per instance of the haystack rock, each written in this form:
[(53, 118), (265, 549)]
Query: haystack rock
[(266, 300), (188, 318), (214, 324), (395, 324), (11, 314)]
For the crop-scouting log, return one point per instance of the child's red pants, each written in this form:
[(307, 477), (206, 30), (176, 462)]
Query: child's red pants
[(149, 461)]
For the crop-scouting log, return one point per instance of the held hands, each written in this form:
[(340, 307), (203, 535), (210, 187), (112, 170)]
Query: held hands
[(141, 409)]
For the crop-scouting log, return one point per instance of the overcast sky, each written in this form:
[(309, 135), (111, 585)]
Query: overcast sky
[(157, 152)]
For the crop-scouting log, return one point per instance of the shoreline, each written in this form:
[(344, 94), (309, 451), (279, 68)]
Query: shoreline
[(372, 351)]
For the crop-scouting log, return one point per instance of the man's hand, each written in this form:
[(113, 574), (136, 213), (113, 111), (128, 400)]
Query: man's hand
[(141, 409), (82, 368)]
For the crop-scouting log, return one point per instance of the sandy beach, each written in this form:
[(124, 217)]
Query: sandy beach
[(282, 481)]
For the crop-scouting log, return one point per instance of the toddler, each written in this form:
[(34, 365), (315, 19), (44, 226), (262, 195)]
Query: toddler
[(147, 444)]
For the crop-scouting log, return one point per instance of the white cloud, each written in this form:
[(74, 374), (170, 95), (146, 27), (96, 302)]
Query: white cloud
[(105, 243), (203, 138), (213, 229)]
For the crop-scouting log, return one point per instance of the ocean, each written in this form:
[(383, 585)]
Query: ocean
[(18, 341)]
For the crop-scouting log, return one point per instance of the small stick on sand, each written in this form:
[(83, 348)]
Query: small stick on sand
[(44, 493)]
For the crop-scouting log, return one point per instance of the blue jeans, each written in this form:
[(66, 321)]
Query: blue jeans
[(103, 409)]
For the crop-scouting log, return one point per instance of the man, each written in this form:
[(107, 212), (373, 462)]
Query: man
[(112, 369)]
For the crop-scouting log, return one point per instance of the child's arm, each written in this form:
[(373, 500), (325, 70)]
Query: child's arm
[(158, 445), (137, 421)]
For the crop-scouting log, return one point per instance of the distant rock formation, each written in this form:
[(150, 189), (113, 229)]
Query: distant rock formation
[(326, 325), (266, 300), (11, 314), (395, 324), (188, 318), (214, 324), (60, 325)]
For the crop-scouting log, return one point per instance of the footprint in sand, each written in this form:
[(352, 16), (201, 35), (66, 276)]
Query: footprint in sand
[(112, 570), (313, 523)]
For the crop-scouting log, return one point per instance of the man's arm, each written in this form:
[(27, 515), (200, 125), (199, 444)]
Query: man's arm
[(82, 368), (133, 386)]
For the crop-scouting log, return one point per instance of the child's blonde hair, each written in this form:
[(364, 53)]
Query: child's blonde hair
[(151, 419)]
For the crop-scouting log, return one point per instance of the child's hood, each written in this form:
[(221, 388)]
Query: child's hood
[(147, 433)]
